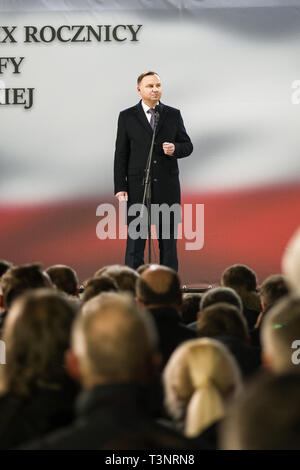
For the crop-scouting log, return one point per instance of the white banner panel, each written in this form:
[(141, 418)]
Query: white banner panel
[(65, 75)]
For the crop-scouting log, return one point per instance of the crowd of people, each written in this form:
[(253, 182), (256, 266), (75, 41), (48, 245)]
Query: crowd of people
[(126, 361)]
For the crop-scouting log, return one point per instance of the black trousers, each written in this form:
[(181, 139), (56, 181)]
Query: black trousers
[(134, 256)]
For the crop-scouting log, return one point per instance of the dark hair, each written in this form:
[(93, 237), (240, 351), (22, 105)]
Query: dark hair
[(266, 416), (273, 288), (145, 74), (64, 278), (239, 275), (150, 297), (222, 319), (142, 268), (4, 266), (18, 279), (102, 270), (96, 286), (190, 307), (221, 294), (124, 277), (37, 340)]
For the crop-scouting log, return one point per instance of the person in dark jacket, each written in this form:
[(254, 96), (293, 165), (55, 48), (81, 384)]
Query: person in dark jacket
[(134, 135), (158, 290), (15, 280), (113, 356), (266, 416), (243, 280), (271, 291), (216, 295), (36, 394), (227, 324)]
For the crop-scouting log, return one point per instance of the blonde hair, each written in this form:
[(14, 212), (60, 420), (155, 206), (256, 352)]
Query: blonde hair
[(198, 379)]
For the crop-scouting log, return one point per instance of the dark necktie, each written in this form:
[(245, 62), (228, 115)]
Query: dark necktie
[(151, 111)]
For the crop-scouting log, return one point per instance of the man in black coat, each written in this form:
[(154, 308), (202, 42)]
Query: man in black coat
[(158, 290), (114, 357), (135, 131)]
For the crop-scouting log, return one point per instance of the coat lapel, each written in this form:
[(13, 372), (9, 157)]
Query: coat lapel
[(142, 117), (163, 114)]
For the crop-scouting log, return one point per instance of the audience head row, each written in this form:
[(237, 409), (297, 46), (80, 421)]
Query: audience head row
[(108, 337)]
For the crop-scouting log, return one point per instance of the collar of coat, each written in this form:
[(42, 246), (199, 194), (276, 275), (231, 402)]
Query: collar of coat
[(143, 119), (108, 396)]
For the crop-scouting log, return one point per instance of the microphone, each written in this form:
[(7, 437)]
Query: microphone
[(157, 110)]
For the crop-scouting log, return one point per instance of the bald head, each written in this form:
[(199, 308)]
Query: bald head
[(159, 285), (113, 340), (159, 278)]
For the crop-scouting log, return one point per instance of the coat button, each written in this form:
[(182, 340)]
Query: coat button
[(155, 161), (155, 180)]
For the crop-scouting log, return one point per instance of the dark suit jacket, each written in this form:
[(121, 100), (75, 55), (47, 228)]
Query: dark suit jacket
[(171, 332), (31, 417), (248, 357), (132, 147), (112, 416)]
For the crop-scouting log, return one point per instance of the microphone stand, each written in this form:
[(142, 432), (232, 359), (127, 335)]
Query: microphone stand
[(147, 185)]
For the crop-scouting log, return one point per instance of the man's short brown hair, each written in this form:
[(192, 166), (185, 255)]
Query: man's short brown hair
[(96, 286), (64, 278), (17, 279), (124, 276), (221, 294), (222, 319), (273, 288), (239, 275), (145, 74)]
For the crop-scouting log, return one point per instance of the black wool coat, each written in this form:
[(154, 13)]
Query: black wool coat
[(132, 147)]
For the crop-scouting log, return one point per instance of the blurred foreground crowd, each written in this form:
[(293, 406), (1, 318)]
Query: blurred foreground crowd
[(127, 361)]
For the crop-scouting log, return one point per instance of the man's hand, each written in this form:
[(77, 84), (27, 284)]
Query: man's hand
[(122, 196), (168, 148)]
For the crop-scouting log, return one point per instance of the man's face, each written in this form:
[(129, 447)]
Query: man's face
[(150, 90)]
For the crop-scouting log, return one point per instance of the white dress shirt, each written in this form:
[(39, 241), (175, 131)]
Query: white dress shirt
[(146, 108)]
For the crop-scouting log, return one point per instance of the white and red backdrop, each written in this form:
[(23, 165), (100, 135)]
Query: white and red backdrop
[(230, 66)]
